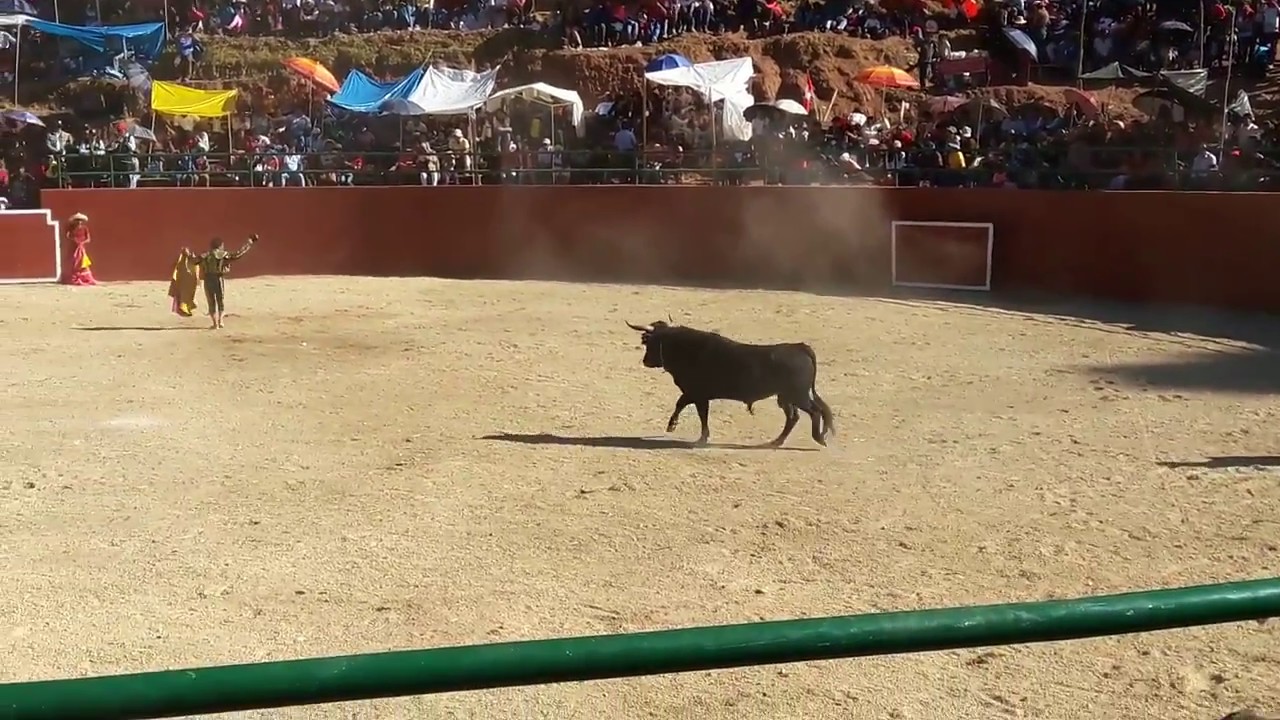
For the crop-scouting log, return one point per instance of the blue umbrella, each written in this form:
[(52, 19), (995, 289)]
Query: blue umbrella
[(24, 117), (667, 62)]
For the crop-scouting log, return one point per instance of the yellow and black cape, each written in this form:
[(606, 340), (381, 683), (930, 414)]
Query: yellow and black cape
[(183, 286)]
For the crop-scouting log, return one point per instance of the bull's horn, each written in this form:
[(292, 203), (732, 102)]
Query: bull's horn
[(637, 328)]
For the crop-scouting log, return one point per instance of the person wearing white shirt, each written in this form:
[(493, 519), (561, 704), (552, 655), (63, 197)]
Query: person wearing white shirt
[(1204, 162), (132, 168), (1248, 134), (459, 155), (291, 166), (1203, 166), (57, 140), (896, 159)]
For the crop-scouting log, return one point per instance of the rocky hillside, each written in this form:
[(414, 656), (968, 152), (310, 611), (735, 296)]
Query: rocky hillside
[(529, 56)]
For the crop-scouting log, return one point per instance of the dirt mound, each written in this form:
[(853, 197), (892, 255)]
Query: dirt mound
[(535, 56), (530, 56)]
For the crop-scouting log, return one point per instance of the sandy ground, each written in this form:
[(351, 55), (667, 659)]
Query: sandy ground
[(338, 493)]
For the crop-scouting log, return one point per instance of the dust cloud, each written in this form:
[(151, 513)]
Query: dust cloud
[(796, 238)]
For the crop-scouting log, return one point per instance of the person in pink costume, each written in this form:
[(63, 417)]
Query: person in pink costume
[(79, 272)]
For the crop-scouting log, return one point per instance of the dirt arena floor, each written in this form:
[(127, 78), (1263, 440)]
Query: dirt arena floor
[(361, 464)]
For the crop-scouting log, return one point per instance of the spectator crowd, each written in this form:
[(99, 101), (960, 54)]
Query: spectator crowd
[(282, 133)]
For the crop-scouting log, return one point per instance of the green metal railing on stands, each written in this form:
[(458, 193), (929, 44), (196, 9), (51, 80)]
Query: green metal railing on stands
[(340, 168), (416, 672), (576, 167)]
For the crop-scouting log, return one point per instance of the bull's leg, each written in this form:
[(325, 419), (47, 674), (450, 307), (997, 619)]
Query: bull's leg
[(704, 407), (806, 403), (793, 417), (681, 404)]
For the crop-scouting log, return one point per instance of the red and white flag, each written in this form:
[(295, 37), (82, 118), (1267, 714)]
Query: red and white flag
[(810, 97)]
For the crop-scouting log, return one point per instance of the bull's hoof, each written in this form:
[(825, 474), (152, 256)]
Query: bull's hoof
[(701, 442), (671, 427), (821, 441), (775, 443)]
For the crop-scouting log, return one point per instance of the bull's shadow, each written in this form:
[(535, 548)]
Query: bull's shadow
[(628, 443), (1222, 462)]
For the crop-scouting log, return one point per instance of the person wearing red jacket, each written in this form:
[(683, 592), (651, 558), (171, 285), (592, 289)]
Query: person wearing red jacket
[(625, 28), (660, 14)]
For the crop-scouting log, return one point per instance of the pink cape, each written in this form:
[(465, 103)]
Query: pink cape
[(79, 272)]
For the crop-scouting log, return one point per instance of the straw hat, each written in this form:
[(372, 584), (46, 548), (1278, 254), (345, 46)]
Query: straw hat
[(81, 217)]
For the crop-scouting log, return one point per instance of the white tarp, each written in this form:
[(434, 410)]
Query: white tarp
[(547, 95), (446, 91), (727, 80)]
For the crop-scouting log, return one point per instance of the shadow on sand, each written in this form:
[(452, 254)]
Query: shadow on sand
[(1211, 350), (139, 328), (628, 443), (1172, 321), (1221, 462), (1247, 371)]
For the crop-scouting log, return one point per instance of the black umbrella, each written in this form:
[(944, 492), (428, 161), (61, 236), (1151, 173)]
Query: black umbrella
[(985, 107), (1175, 26), (759, 109), (137, 131)]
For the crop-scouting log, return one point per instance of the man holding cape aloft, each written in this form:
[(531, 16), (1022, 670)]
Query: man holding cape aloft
[(214, 266)]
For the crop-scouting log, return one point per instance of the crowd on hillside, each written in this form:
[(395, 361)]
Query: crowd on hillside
[(278, 136), (980, 144), (1149, 35)]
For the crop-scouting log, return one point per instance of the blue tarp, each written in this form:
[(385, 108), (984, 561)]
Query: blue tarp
[(361, 93), (143, 39)]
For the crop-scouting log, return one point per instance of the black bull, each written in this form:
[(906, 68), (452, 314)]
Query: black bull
[(707, 366)]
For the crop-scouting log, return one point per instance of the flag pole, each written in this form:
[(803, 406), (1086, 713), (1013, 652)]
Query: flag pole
[(17, 64)]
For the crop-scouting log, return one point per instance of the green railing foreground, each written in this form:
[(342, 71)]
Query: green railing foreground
[(230, 688)]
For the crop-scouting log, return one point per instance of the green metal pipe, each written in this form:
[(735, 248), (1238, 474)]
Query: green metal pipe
[(198, 691)]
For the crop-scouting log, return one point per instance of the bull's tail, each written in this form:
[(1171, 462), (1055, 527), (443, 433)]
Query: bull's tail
[(828, 418)]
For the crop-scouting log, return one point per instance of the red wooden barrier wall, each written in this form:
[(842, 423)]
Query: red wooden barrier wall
[(1206, 248)]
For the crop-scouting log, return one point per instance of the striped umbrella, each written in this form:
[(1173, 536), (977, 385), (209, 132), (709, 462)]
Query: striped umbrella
[(313, 71), (885, 76)]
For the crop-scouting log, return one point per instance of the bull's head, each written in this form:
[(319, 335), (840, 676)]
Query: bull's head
[(651, 338)]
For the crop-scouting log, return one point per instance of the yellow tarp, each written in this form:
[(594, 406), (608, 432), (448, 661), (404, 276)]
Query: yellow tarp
[(172, 99)]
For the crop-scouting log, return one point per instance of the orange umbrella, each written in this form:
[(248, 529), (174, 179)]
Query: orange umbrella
[(1085, 102), (885, 76), (313, 71)]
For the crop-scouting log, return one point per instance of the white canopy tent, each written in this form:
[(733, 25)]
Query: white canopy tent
[(550, 96), (446, 91), (722, 80)]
